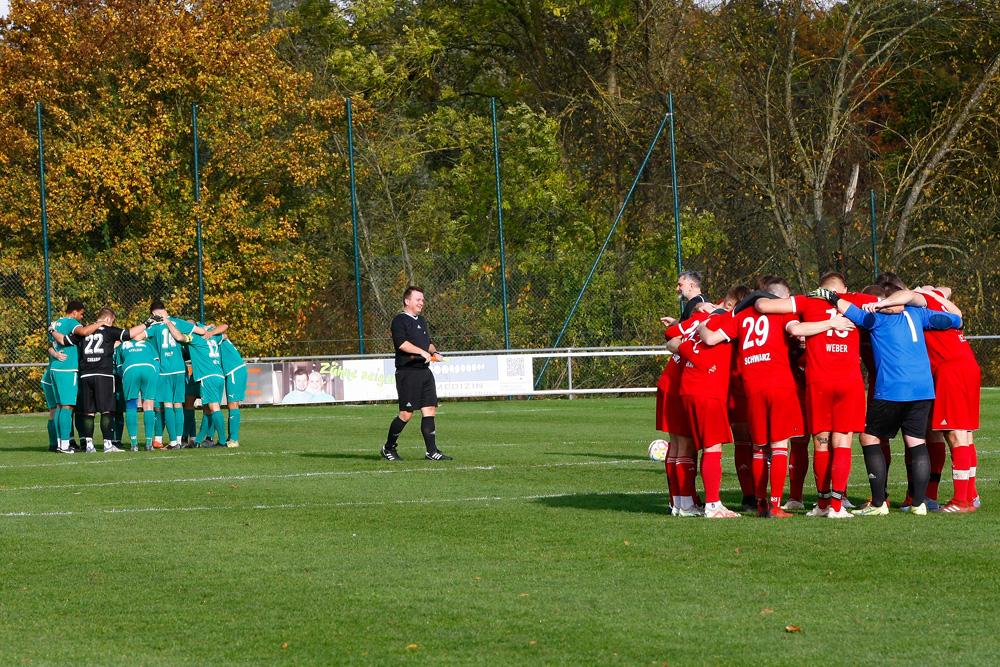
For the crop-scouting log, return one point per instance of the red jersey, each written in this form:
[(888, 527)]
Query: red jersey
[(706, 368), (670, 379), (947, 345), (833, 355), (763, 349)]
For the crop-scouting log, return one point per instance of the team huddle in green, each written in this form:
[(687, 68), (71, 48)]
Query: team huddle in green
[(100, 371)]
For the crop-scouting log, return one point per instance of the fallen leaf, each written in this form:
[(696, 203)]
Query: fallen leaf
[(627, 544), (533, 642), (792, 628), (413, 646), (767, 611), (524, 595), (209, 493), (285, 645), (736, 550), (233, 486)]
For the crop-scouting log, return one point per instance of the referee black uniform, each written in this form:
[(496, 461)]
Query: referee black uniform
[(415, 386)]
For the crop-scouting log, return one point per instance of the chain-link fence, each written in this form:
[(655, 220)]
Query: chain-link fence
[(627, 295)]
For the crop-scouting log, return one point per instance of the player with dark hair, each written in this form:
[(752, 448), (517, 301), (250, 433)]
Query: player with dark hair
[(170, 382), (415, 385), (904, 389), (97, 377), (957, 380), (59, 383)]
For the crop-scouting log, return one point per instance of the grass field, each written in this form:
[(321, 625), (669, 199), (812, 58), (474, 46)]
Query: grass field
[(546, 541)]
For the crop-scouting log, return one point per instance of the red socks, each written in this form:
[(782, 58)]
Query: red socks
[(779, 470), (686, 476), (711, 475), (961, 462), (840, 472), (974, 460)]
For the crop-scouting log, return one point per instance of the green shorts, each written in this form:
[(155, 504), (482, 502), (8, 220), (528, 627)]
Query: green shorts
[(65, 386), (170, 389), (140, 380), (49, 390), (236, 385), (213, 389)]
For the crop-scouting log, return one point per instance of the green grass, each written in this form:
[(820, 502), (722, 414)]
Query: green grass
[(546, 541)]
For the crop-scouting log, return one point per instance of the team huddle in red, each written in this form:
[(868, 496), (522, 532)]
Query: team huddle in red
[(765, 370)]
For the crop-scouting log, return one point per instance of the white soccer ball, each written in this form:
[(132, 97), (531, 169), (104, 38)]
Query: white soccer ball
[(658, 450)]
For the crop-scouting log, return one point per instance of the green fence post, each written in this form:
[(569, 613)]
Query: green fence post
[(677, 201), (197, 208), (45, 217), (607, 239), (354, 221), (503, 253)]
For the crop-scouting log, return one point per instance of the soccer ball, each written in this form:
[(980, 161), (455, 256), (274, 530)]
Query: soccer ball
[(658, 450)]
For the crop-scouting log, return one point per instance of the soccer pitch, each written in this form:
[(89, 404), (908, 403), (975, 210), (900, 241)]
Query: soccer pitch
[(546, 541)]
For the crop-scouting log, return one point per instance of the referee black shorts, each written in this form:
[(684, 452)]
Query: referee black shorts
[(96, 394), (416, 389), (886, 418)]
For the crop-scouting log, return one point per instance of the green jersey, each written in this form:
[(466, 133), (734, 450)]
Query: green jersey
[(65, 325), (168, 349), (231, 358), (135, 353), (206, 359)]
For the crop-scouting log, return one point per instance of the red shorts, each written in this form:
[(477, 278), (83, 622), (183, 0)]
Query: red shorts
[(707, 418), (670, 415), (774, 415), (736, 405), (956, 385), (835, 405)]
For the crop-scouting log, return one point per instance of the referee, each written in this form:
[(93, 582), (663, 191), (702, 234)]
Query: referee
[(414, 379)]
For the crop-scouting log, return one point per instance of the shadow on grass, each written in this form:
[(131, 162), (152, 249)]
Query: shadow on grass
[(341, 455), (646, 503), (601, 455)]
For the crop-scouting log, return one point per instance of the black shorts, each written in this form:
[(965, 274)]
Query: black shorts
[(886, 418), (416, 389), (97, 394)]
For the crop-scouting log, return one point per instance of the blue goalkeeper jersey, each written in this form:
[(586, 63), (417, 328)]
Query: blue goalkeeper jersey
[(903, 369)]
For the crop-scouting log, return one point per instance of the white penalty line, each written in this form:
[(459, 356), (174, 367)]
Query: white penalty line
[(326, 473)]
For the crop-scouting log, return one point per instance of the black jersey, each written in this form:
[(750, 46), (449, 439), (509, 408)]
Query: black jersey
[(406, 327), (98, 349), (690, 306)]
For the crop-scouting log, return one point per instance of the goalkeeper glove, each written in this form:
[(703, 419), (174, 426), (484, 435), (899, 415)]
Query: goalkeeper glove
[(827, 295), (155, 319)]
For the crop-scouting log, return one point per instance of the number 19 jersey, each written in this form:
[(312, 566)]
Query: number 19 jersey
[(168, 349), (761, 349)]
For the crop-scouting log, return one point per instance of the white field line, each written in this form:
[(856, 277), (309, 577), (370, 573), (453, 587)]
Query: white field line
[(328, 473), (371, 503), (126, 457)]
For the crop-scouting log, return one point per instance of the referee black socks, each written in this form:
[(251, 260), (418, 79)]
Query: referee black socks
[(395, 428), (429, 433)]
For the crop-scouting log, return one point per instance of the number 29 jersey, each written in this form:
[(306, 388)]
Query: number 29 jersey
[(761, 348)]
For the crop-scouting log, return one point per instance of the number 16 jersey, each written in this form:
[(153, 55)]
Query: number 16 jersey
[(761, 349)]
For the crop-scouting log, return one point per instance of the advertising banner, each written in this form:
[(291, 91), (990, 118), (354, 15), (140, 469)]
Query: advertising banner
[(358, 380)]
